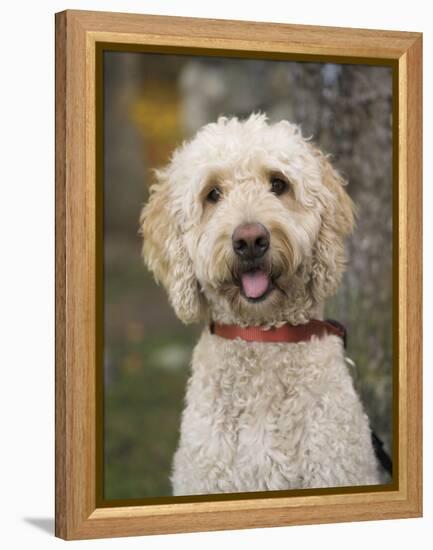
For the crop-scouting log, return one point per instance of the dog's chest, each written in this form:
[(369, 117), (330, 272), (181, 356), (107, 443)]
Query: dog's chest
[(250, 406)]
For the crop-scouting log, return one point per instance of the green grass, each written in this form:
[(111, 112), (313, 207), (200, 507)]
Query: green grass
[(143, 404)]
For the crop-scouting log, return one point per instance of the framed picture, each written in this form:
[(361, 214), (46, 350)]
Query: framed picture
[(238, 274)]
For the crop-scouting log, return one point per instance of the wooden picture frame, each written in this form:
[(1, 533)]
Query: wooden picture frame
[(80, 38)]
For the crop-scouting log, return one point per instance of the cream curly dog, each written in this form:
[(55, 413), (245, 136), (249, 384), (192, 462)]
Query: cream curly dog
[(245, 228)]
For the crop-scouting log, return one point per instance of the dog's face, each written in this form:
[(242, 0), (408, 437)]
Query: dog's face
[(246, 225)]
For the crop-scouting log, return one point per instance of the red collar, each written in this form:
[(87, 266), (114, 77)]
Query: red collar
[(286, 333)]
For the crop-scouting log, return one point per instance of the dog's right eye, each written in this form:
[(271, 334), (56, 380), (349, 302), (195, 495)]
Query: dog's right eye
[(214, 195)]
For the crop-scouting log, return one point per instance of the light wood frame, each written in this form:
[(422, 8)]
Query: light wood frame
[(78, 34)]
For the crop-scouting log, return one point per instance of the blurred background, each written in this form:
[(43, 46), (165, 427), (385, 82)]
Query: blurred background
[(152, 102)]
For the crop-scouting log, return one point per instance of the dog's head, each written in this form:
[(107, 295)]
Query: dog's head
[(246, 224)]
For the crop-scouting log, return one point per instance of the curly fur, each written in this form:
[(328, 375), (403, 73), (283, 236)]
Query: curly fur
[(258, 416)]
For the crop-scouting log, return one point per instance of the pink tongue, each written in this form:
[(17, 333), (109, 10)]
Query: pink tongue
[(255, 284)]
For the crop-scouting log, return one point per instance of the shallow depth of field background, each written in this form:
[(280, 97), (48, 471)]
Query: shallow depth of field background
[(151, 104)]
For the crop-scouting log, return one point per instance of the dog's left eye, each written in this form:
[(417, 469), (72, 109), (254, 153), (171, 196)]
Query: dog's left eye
[(278, 185), (214, 195)]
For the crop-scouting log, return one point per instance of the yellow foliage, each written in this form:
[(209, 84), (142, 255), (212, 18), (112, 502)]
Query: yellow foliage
[(157, 116)]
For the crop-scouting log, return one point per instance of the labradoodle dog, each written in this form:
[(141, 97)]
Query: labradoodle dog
[(245, 230)]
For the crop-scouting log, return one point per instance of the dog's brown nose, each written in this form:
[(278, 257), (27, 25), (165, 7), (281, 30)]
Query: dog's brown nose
[(250, 240)]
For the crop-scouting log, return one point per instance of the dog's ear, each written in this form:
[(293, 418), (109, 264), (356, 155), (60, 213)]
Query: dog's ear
[(329, 258), (165, 253)]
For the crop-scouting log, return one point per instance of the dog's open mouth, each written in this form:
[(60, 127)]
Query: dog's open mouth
[(255, 285)]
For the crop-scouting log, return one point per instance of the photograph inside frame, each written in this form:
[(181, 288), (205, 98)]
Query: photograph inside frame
[(259, 165)]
